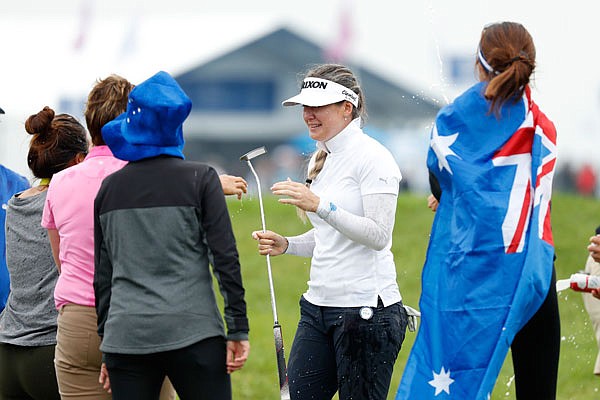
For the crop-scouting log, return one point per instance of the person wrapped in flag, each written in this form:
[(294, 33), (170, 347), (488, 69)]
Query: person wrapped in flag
[(488, 279)]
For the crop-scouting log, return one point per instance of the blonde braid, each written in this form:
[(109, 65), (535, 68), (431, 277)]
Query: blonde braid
[(319, 158)]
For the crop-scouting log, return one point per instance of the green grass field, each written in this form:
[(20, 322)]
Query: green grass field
[(574, 221)]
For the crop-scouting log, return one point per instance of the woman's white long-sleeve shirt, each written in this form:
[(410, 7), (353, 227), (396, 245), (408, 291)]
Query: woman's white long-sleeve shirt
[(350, 244)]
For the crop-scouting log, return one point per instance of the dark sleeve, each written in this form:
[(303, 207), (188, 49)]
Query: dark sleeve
[(436, 190), (226, 266), (102, 269)]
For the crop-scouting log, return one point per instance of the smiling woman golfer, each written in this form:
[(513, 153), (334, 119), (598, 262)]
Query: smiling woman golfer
[(352, 322)]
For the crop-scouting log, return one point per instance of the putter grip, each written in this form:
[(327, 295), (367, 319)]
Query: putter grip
[(281, 368)]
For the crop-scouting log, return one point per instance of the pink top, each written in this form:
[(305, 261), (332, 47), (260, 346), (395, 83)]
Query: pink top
[(69, 208)]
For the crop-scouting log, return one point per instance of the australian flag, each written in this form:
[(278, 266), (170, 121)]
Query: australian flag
[(490, 256)]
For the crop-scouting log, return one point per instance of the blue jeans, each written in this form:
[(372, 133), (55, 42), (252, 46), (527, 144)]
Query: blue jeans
[(335, 349)]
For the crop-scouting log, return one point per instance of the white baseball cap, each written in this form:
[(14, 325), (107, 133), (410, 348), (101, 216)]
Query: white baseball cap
[(318, 92)]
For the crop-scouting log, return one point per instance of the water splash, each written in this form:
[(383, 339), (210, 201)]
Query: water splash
[(240, 208), (443, 85), (510, 381), (508, 385)]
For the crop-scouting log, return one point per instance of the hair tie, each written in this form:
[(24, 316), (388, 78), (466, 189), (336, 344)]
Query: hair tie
[(512, 60), (521, 57)]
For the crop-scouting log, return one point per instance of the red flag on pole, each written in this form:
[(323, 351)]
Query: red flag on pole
[(337, 51)]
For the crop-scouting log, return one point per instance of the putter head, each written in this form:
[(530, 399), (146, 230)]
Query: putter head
[(253, 153)]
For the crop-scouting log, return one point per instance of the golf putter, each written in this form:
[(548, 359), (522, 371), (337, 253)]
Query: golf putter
[(281, 367)]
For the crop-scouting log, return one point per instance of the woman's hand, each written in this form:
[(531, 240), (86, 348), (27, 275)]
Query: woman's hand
[(233, 185), (297, 194), (103, 378), (237, 354), (432, 203), (594, 247), (270, 243)]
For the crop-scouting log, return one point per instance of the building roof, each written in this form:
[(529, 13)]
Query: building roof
[(236, 93)]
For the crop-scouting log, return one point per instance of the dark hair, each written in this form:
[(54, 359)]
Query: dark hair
[(56, 141), (106, 101), (509, 50)]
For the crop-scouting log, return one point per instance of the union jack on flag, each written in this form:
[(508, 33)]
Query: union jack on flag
[(490, 256)]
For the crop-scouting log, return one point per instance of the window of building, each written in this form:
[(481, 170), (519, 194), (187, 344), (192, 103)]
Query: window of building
[(242, 95)]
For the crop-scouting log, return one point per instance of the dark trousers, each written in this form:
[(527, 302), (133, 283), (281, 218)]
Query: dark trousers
[(27, 373), (197, 372), (336, 350), (535, 351)]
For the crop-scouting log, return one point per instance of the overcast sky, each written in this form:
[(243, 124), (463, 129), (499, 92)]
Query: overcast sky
[(59, 48)]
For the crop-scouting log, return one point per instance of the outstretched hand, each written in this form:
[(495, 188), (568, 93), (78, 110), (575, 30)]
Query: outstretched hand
[(270, 243), (233, 185), (297, 194)]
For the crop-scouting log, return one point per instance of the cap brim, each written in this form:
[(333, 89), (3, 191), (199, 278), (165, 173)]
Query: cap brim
[(114, 133), (306, 99)]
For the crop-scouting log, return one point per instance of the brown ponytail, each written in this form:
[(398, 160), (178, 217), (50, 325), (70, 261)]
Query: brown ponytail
[(509, 50)]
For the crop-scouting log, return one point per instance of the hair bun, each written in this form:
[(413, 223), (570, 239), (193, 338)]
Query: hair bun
[(39, 124)]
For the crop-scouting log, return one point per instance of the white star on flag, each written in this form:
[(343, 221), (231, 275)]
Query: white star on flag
[(441, 382), (441, 147)]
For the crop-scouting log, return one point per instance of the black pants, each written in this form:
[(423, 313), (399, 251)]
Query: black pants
[(197, 372), (27, 373), (336, 350), (535, 351)]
